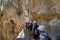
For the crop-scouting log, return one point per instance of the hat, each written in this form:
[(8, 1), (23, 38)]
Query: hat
[(35, 22), (41, 27)]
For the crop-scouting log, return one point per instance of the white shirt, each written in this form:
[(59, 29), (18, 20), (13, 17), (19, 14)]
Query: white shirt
[(42, 37)]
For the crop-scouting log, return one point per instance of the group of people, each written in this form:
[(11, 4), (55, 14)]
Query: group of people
[(37, 30)]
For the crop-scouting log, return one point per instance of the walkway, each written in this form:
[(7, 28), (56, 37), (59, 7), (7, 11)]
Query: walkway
[(21, 36)]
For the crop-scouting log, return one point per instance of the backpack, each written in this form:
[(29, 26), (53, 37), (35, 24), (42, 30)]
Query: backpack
[(27, 24), (47, 37), (36, 32)]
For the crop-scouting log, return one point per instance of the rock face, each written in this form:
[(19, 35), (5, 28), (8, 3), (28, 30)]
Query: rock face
[(55, 28), (44, 6), (47, 10), (10, 23)]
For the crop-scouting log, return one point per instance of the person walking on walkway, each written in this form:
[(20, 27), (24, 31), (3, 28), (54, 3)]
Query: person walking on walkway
[(35, 30), (43, 35), (31, 25), (27, 24)]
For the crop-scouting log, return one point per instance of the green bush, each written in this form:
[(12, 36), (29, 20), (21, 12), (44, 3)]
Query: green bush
[(19, 12)]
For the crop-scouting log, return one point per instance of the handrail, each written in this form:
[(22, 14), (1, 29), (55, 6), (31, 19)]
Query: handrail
[(21, 34)]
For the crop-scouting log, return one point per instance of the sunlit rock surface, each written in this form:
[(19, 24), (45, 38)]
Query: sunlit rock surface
[(41, 10), (10, 23), (47, 10)]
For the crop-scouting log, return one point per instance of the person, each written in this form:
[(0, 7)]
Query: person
[(27, 24), (31, 25), (35, 30), (41, 29), (43, 35)]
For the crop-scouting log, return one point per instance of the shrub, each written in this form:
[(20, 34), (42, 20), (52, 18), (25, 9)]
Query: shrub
[(19, 12)]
